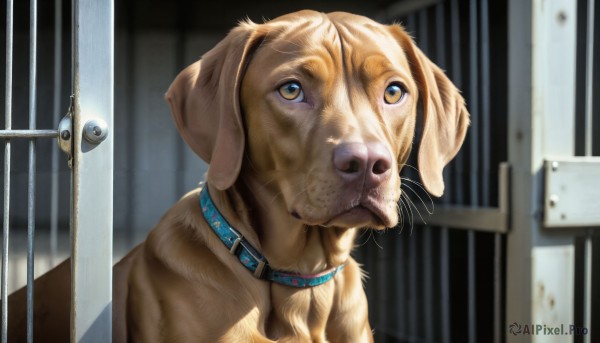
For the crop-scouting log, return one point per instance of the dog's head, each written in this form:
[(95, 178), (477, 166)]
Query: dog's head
[(320, 109)]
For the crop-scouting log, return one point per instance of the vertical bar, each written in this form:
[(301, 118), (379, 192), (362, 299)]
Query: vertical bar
[(541, 88), (410, 24), (427, 289), (519, 239), (459, 162), (474, 160), (413, 284), (32, 156), (474, 101), (498, 288), (428, 318), (92, 216), (485, 102), (411, 268), (487, 151), (400, 278), (459, 167), (472, 330), (444, 243), (587, 297), (383, 293), (589, 84), (445, 285), (589, 114), (54, 199), (8, 124)]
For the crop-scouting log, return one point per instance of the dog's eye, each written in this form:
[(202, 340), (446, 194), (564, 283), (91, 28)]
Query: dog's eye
[(292, 91), (394, 93)]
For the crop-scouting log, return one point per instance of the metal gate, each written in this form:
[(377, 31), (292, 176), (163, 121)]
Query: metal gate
[(510, 254), (85, 136)]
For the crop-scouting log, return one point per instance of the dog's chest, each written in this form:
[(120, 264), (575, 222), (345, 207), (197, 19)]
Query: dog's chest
[(300, 314)]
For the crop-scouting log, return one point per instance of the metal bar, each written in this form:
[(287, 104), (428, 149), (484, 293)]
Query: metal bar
[(92, 207), (589, 114), (519, 241), (498, 282), (474, 102), (466, 217), (456, 45), (428, 311), (410, 24), (459, 161), (458, 167), (426, 254), (474, 157), (32, 157), (587, 296), (7, 150), (5, 233), (486, 148), (444, 285), (589, 86), (54, 182), (400, 278), (413, 277), (488, 219), (485, 102), (471, 290), (28, 134), (541, 88), (440, 40)]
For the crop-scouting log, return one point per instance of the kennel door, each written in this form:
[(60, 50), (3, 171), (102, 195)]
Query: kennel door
[(92, 216)]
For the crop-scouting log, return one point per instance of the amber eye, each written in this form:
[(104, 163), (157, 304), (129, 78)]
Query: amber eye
[(394, 93), (292, 91)]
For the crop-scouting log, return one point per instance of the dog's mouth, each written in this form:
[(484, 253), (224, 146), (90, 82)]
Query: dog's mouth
[(357, 216), (367, 213)]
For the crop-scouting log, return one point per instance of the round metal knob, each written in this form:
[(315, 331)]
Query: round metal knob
[(95, 131)]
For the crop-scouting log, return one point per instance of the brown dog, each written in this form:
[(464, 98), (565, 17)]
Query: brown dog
[(306, 121)]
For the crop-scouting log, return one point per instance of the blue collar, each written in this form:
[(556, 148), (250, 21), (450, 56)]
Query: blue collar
[(249, 257)]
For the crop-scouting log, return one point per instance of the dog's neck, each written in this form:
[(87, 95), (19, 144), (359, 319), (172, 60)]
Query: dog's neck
[(285, 241)]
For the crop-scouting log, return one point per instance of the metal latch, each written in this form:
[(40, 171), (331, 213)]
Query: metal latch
[(572, 190), (65, 134)]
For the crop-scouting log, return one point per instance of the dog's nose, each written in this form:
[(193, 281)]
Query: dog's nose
[(370, 162)]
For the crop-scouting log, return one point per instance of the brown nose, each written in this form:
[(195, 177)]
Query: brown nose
[(356, 162)]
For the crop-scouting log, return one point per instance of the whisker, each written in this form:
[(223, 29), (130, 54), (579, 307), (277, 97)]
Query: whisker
[(409, 166), (421, 199), (417, 209), (408, 210), (400, 216), (401, 207), (420, 185), (363, 233), (372, 235)]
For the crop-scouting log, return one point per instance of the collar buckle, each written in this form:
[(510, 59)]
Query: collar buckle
[(234, 246), (260, 269)]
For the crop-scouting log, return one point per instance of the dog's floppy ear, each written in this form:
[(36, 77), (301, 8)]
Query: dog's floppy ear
[(204, 101), (445, 117)]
